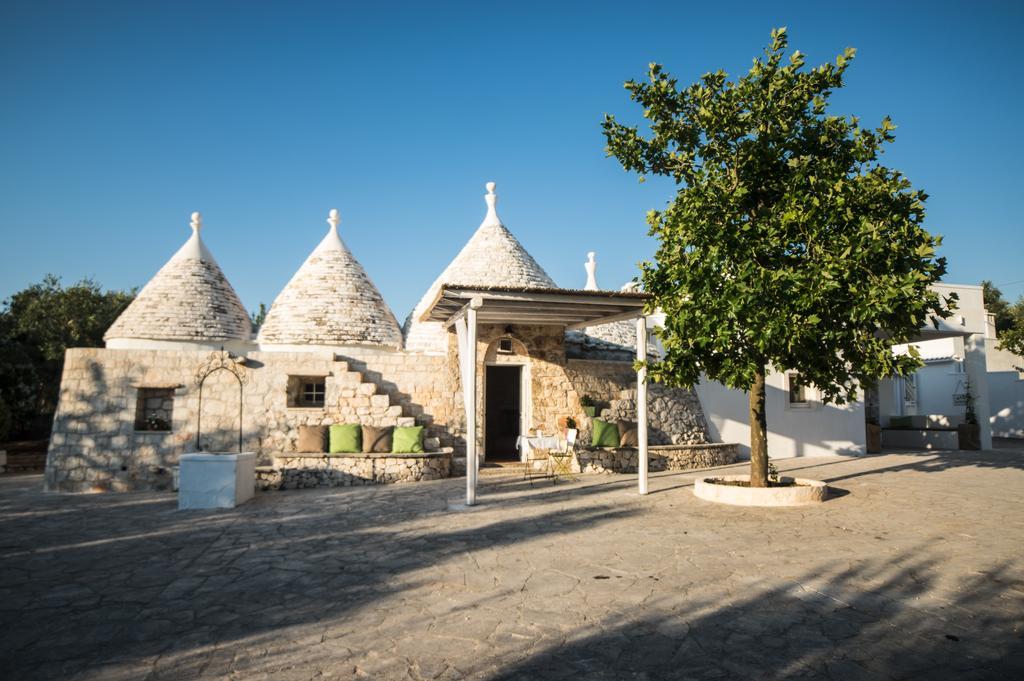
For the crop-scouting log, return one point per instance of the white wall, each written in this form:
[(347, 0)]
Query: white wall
[(818, 430), (937, 382), (1006, 391)]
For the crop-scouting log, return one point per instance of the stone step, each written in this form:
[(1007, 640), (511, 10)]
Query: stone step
[(502, 469), (349, 379)]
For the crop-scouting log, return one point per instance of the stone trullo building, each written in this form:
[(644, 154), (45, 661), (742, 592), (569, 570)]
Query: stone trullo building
[(331, 351)]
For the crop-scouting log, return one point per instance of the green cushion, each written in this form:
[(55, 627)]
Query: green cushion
[(346, 438), (407, 440), (605, 434)]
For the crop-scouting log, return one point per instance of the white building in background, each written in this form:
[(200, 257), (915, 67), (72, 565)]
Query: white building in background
[(1005, 387), (956, 372)]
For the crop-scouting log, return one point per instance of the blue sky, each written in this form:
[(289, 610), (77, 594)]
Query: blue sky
[(119, 119)]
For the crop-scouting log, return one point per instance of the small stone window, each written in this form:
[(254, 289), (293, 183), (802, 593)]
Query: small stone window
[(505, 346), (154, 409), (307, 392)]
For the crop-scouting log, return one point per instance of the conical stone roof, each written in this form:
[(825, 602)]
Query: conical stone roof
[(189, 299), (492, 257), (330, 301)]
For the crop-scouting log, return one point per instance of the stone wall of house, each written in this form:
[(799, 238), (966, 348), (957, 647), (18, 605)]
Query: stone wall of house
[(96, 446), (300, 471)]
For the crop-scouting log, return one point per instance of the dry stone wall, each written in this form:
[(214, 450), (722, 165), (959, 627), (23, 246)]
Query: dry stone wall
[(660, 458), (302, 471)]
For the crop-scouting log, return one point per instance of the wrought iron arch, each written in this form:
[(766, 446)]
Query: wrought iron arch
[(220, 360)]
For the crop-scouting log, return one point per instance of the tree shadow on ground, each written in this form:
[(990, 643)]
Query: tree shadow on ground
[(113, 583), (387, 581), (868, 622)]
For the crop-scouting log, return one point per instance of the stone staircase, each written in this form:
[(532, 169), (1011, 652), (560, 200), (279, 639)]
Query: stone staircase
[(354, 397), (360, 399)]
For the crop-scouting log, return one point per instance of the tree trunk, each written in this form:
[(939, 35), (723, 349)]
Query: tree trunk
[(758, 433)]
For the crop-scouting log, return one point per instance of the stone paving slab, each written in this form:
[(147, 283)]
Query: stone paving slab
[(914, 570)]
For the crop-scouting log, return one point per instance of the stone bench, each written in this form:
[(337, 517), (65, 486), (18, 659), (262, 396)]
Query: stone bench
[(295, 470), (660, 457)]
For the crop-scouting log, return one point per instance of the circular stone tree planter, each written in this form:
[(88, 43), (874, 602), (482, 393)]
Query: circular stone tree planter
[(794, 492)]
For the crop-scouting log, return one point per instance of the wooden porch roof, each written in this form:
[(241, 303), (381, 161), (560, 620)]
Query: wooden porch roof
[(571, 308)]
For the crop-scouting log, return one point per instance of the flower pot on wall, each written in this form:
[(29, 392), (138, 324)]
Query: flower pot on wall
[(590, 411), (969, 436), (874, 438)]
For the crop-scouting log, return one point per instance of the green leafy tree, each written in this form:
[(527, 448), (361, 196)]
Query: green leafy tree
[(1012, 338), (37, 325), (1009, 318), (788, 246), (997, 306), (258, 317)]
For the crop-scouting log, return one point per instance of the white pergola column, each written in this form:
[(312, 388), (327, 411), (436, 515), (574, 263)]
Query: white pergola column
[(465, 330), (641, 402)]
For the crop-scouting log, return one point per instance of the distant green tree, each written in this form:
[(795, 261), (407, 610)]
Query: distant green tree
[(1012, 338), (37, 325), (788, 245), (997, 306), (258, 317)]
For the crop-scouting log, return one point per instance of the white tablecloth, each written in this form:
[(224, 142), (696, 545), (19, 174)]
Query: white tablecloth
[(550, 442)]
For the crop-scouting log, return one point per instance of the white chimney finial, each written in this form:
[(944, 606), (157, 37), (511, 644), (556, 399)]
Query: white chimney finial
[(334, 218), (591, 267), (197, 221), (492, 199)]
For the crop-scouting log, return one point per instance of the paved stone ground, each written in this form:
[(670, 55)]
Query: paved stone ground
[(916, 570)]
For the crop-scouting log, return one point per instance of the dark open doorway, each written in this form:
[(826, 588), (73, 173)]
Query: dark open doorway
[(502, 412)]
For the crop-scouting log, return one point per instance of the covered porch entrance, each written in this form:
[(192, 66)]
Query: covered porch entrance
[(465, 307)]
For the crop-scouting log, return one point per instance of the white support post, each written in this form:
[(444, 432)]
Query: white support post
[(641, 402), (469, 388)]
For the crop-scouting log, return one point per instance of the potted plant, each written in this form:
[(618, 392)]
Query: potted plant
[(874, 436), (589, 406), (969, 432), (566, 423)]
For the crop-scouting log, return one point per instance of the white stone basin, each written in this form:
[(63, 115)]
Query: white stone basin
[(212, 480), (802, 493)]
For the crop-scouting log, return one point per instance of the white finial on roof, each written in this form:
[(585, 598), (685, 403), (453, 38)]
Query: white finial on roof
[(197, 221), (492, 199), (334, 219), (591, 267)]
